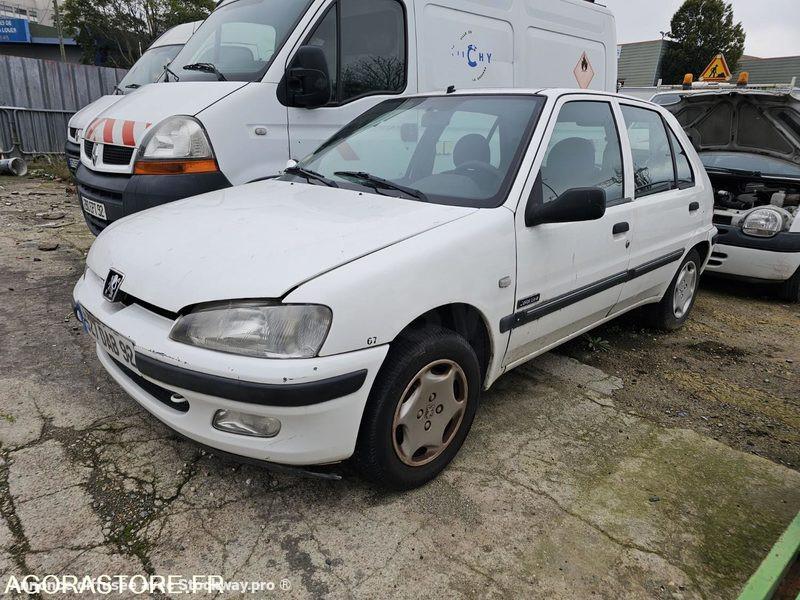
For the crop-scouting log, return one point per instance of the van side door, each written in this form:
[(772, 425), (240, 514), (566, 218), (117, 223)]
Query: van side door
[(367, 46), (665, 196), (570, 275)]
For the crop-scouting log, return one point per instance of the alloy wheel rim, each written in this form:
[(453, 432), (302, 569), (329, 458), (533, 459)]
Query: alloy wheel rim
[(685, 288), (430, 412)]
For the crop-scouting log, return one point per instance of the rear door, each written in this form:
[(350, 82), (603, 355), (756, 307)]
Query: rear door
[(366, 44), (668, 214), (570, 275)]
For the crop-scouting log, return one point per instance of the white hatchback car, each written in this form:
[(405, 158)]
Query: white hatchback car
[(357, 305)]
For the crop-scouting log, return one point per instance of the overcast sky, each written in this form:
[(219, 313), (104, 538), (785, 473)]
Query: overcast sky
[(771, 25)]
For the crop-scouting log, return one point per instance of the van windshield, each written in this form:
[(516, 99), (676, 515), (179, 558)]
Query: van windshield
[(239, 40), (455, 150), (148, 68)]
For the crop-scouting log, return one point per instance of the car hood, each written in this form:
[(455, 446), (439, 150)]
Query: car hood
[(153, 103), (256, 241), (85, 115)]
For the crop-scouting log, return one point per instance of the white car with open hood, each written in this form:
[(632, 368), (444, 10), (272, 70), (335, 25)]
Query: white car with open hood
[(357, 305)]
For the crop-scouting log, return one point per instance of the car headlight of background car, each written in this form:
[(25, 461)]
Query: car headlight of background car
[(176, 146), (258, 329), (763, 222)]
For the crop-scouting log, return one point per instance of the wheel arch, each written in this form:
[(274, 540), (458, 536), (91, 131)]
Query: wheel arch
[(465, 320)]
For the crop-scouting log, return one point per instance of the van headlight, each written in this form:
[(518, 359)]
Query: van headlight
[(763, 222), (176, 146), (257, 329)]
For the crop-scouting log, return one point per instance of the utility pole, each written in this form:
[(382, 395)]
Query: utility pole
[(57, 18)]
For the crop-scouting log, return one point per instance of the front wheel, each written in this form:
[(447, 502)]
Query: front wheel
[(790, 289), (420, 409), (673, 311)]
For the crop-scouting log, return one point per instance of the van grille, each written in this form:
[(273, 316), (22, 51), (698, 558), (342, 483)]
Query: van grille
[(117, 155), (88, 147)]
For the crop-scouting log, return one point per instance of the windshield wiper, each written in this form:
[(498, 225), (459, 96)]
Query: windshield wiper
[(732, 171), (311, 176), (382, 184), (206, 67)]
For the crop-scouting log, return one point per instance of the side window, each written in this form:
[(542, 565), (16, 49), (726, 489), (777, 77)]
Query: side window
[(652, 157), (683, 168), (373, 48), (364, 42), (324, 36), (584, 151)]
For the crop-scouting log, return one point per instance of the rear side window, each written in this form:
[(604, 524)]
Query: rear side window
[(653, 168), (584, 151), (683, 168)]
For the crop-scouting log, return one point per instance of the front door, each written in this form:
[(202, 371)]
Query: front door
[(365, 43), (570, 275)]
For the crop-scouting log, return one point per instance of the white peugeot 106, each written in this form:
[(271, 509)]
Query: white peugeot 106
[(357, 305)]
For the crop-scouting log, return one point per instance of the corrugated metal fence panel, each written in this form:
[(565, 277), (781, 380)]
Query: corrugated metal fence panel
[(35, 83), (40, 86)]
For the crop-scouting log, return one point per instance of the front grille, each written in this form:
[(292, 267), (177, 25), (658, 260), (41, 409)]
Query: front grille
[(98, 194), (117, 155), (722, 219), (88, 147), (161, 394)]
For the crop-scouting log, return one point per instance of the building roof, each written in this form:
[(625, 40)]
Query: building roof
[(640, 63)]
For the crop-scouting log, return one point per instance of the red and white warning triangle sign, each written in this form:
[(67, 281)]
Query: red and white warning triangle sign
[(584, 72)]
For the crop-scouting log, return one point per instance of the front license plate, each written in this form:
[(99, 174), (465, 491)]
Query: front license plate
[(118, 346), (94, 208), (73, 163)]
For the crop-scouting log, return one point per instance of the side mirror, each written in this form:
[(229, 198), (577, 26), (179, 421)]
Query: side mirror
[(573, 206), (307, 82)]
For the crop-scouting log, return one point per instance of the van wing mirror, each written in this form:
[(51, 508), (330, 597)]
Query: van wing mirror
[(307, 82), (573, 206)]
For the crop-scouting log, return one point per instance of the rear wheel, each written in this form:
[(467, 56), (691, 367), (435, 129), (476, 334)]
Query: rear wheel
[(790, 289), (673, 311), (420, 409)]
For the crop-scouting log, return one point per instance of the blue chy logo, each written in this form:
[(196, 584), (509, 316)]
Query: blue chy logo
[(475, 57)]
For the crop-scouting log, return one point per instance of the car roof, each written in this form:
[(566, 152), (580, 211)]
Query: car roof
[(549, 92)]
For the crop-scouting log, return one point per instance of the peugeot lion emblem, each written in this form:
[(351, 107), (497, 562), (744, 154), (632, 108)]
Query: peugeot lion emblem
[(113, 283)]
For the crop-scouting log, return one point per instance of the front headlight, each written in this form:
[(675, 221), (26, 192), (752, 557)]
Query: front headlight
[(257, 329), (177, 145), (763, 222)]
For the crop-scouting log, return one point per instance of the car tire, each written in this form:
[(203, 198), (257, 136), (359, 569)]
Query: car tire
[(675, 307), (790, 289), (411, 403)]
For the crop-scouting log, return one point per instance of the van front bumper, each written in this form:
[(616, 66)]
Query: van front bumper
[(319, 402), (773, 259), (124, 195)]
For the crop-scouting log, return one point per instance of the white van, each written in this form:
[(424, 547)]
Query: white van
[(357, 305), (263, 81), (147, 70)]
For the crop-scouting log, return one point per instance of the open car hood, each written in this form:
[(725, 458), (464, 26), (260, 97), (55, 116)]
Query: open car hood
[(765, 123)]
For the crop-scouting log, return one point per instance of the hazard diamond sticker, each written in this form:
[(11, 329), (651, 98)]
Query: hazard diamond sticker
[(584, 72)]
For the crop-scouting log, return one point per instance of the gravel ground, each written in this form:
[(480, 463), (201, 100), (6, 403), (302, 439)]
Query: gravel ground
[(630, 464)]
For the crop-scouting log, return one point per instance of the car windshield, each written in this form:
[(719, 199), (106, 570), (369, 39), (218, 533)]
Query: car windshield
[(455, 150), (750, 163), (239, 40), (148, 68)]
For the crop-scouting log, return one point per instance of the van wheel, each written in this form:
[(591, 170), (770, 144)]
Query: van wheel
[(420, 409), (673, 311), (790, 289)]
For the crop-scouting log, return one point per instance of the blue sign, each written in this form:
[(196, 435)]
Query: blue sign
[(14, 30)]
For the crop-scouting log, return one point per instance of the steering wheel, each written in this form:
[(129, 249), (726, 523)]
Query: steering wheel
[(470, 168)]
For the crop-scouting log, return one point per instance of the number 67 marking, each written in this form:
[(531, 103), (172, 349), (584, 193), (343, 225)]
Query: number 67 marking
[(372, 341)]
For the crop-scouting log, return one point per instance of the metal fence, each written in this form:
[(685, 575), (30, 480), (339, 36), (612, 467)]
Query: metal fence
[(38, 97)]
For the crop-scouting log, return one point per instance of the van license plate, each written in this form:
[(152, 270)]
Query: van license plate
[(118, 346), (73, 163), (94, 208)]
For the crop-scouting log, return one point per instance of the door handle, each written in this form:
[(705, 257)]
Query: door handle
[(694, 207), (621, 228)]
